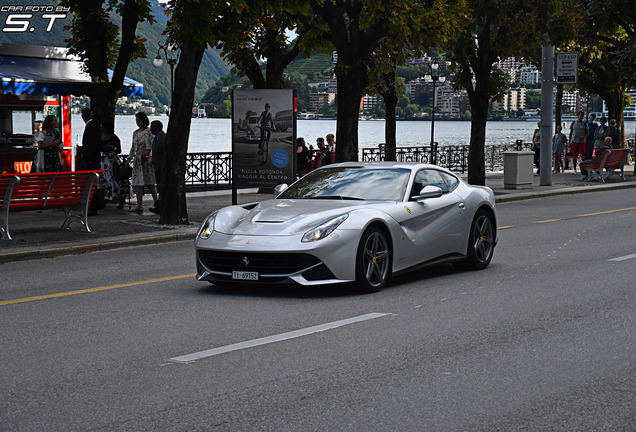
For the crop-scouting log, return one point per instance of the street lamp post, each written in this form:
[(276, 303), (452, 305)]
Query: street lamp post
[(434, 77), (172, 61)]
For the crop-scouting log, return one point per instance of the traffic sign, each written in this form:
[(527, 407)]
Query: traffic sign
[(567, 68)]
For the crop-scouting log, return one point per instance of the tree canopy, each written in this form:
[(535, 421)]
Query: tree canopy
[(102, 45), (493, 30)]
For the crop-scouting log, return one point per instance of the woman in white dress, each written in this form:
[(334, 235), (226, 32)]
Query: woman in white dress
[(141, 154)]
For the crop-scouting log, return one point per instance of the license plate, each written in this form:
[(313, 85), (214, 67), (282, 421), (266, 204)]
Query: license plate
[(245, 275)]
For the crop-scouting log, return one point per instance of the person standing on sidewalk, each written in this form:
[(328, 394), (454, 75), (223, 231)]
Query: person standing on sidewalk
[(614, 132), (558, 147), (578, 134), (600, 134), (536, 147), (92, 157), (589, 141), (142, 174), (331, 143), (157, 156)]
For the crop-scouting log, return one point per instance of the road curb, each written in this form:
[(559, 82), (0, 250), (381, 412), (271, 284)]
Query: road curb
[(503, 198), (85, 248)]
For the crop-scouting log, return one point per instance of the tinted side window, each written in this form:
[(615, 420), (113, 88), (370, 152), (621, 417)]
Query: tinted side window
[(451, 180), (428, 178)]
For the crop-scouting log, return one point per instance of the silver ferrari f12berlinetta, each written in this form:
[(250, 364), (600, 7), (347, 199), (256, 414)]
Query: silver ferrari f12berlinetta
[(354, 222)]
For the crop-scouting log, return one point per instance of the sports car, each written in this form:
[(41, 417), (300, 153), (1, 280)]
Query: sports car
[(355, 222)]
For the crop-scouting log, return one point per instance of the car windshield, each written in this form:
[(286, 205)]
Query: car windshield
[(357, 183)]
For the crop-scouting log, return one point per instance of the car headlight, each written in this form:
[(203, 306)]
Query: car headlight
[(324, 229), (207, 227)]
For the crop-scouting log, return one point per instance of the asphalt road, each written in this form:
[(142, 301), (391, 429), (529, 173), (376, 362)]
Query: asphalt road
[(127, 340)]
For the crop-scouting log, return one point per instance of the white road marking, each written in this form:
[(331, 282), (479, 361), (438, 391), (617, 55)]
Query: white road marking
[(623, 258), (187, 358)]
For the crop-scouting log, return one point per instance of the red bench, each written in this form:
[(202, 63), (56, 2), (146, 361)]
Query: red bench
[(612, 160), (319, 160), (70, 191)]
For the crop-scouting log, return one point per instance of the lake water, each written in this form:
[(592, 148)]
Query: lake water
[(215, 135)]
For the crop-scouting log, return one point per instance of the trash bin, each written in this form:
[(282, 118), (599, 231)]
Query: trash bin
[(518, 169)]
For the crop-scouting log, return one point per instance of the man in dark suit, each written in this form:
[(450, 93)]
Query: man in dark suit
[(91, 147), (157, 157), (91, 157)]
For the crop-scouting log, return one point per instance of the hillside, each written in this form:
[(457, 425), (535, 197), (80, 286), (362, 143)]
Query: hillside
[(156, 81), (319, 66)]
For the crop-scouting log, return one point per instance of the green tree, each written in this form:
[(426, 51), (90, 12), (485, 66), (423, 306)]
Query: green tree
[(420, 27), (224, 110), (360, 30), (607, 46), (248, 33), (492, 31), (191, 23), (102, 45)]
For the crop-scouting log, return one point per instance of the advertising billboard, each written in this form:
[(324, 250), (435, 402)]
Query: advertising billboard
[(263, 136)]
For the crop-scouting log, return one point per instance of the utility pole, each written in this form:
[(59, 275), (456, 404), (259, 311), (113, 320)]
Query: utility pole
[(547, 114)]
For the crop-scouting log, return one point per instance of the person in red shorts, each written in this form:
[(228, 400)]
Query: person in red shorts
[(578, 133)]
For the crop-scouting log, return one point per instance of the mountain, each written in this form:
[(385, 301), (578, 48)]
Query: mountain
[(156, 81)]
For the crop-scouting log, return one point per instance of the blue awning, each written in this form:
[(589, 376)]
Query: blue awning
[(49, 71)]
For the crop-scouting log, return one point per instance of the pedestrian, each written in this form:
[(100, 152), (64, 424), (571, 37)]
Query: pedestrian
[(600, 133), (158, 155), (578, 134), (140, 152), (323, 155), (48, 157), (91, 157), (331, 143), (303, 157), (589, 141), (607, 145), (559, 140), (91, 147), (614, 132), (536, 147), (114, 187)]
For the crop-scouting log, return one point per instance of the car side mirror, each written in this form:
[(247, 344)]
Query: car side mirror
[(281, 188), (428, 191)]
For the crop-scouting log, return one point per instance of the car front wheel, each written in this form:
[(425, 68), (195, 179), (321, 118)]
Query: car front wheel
[(481, 243), (373, 260)]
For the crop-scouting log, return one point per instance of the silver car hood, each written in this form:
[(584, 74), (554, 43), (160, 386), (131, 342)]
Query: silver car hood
[(285, 216)]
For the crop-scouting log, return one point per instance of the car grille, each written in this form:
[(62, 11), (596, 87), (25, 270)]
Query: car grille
[(263, 263)]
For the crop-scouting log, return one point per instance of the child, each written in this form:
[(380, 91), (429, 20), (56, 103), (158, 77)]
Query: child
[(558, 147)]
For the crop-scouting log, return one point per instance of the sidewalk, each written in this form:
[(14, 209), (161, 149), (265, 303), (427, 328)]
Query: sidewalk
[(38, 234)]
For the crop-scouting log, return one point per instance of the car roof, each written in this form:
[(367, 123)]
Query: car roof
[(385, 165)]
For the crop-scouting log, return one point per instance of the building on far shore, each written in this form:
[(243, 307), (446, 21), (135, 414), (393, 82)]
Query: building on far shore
[(317, 101)]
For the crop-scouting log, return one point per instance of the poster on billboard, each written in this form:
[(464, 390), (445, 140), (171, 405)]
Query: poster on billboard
[(263, 136)]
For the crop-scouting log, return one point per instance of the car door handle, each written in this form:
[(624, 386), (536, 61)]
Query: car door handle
[(461, 205)]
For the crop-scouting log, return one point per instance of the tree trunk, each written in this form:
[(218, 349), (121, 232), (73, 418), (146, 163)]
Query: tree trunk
[(351, 83), (477, 151), (615, 102), (479, 97), (174, 210), (558, 106), (390, 102), (103, 101)]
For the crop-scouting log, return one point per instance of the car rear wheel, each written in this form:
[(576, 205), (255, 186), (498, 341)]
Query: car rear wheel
[(373, 260), (481, 243)]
